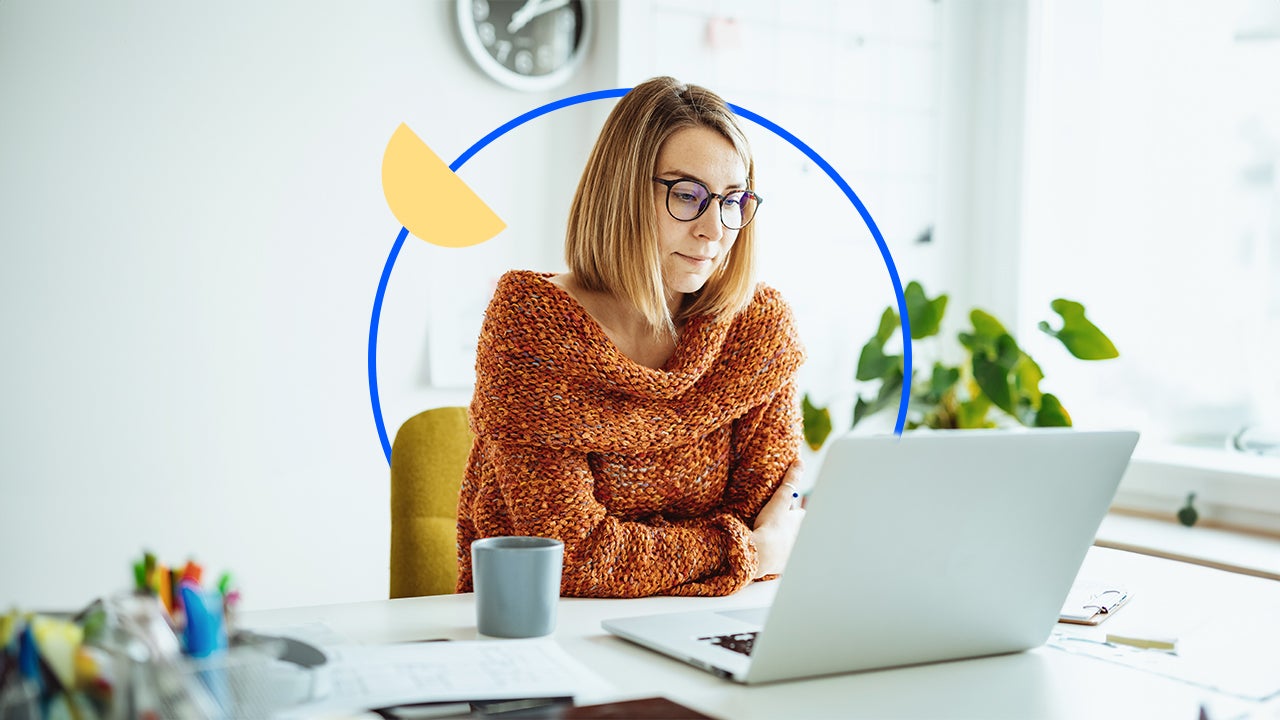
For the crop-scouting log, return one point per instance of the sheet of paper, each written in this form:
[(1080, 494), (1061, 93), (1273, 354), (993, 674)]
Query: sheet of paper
[(1235, 652), (360, 677)]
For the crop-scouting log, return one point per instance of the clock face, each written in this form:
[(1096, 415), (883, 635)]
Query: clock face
[(525, 44)]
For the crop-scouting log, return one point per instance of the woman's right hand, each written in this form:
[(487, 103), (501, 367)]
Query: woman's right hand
[(778, 524)]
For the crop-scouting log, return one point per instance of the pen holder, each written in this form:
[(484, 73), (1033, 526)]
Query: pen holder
[(150, 675), (249, 679)]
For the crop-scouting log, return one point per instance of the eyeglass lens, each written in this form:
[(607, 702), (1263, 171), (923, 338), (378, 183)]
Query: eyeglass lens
[(686, 200)]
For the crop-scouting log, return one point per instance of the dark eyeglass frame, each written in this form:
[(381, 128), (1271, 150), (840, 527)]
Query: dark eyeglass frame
[(707, 203)]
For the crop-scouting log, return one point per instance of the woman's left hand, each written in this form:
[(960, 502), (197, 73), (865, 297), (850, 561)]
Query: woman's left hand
[(778, 523)]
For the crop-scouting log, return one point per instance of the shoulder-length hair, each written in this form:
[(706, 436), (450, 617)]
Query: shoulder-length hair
[(611, 244)]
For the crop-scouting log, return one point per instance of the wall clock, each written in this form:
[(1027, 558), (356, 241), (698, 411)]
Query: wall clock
[(526, 44)]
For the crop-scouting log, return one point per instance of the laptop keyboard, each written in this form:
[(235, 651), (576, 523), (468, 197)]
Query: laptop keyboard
[(737, 642)]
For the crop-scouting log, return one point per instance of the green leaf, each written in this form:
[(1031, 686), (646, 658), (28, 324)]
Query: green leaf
[(925, 314), (1081, 337), (932, 419), (1008, 354), (890, 393), (994, 382), (986, 325), (1026, 414), (1026, 379), (888, 326), (986, 335), (973, 413), (943, 379), (861, 409), (873, 363), (979, 344), (817, 423), (1051, 413)]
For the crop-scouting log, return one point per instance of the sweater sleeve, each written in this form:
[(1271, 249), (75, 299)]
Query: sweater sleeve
[(549, 492), (765, 442)]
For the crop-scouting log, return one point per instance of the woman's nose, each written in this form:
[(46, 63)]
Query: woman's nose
[(708, 224)]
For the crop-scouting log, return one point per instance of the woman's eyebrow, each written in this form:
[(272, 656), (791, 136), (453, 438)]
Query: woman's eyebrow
[(691, 176)]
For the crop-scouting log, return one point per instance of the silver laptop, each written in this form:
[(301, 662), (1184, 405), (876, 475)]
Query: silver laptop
[(927, 547)]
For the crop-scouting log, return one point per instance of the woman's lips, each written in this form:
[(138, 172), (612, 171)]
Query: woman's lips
[(696, 259)]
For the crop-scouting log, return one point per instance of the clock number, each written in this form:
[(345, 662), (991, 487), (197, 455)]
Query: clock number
[(544, 57), (480, 10), (524, 62), (566, 23), (504, 49), (487, 33)]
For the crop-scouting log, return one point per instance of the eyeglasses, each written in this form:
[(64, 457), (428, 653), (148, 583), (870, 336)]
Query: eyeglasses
[(688, 199)]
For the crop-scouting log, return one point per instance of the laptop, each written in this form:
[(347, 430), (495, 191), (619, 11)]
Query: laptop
[(922, 548)]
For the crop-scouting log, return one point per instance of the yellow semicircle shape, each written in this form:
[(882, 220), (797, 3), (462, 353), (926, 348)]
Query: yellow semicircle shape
[(429, 199)]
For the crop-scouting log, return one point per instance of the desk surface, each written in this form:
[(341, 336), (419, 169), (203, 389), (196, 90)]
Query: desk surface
[(1168, 596)]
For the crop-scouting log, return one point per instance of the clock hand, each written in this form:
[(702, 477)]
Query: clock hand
[(532, 9), (521, 17)]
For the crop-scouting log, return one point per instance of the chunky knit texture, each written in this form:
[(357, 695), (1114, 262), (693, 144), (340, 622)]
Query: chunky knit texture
[(651, 477)]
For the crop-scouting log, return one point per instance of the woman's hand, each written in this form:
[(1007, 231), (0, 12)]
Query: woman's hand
[(778, 523)]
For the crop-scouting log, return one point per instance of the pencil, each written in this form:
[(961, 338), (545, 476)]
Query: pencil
[(1149, 643)]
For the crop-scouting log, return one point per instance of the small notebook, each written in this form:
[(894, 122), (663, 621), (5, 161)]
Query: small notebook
[(1091, 604)]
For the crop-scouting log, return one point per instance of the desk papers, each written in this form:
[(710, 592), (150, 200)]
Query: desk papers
[(1230, 650), (360, 677)]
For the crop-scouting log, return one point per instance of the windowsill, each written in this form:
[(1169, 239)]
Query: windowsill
[(1207, 458), (1237, 497), (1233, 490), (1251, 554)]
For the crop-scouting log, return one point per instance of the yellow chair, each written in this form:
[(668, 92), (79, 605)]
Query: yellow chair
[(428, 458)]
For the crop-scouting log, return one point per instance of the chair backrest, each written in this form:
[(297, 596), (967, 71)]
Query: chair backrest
[(428, 459)]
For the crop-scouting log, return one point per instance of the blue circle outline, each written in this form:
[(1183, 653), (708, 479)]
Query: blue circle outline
[(503, 129)]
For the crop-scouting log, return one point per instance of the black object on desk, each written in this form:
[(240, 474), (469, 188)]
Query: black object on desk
[(1090, 605), (654, 708)]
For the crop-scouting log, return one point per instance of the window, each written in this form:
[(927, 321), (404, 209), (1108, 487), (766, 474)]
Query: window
[(1153, 197)]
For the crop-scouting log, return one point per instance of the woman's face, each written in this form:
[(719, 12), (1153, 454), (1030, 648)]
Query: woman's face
[(691, 251)]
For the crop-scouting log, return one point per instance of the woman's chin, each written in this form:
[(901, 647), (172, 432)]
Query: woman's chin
[(686, 285), (687, 279)]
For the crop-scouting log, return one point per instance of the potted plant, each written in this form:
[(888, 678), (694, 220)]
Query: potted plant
[(996, 383)]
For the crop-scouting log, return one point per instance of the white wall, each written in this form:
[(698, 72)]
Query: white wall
[(858, 82), (193, 229)]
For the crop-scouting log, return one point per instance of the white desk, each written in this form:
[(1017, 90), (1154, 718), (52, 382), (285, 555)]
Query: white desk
[(1042, 683)]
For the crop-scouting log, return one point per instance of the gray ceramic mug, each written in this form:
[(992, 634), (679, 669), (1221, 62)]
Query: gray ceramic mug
[(517, 585)]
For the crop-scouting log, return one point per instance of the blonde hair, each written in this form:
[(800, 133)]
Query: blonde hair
[(611, 244)]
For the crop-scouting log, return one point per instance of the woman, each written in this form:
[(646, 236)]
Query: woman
[(642, 406)]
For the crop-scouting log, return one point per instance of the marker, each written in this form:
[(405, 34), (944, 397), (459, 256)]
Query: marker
[(1149, 643), (175, 579), (204, 633), (162, 584), (29, 660), (192, 572), (140, 576), (149, 566)]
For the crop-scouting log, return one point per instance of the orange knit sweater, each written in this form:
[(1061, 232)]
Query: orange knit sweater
[(652, 478)]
